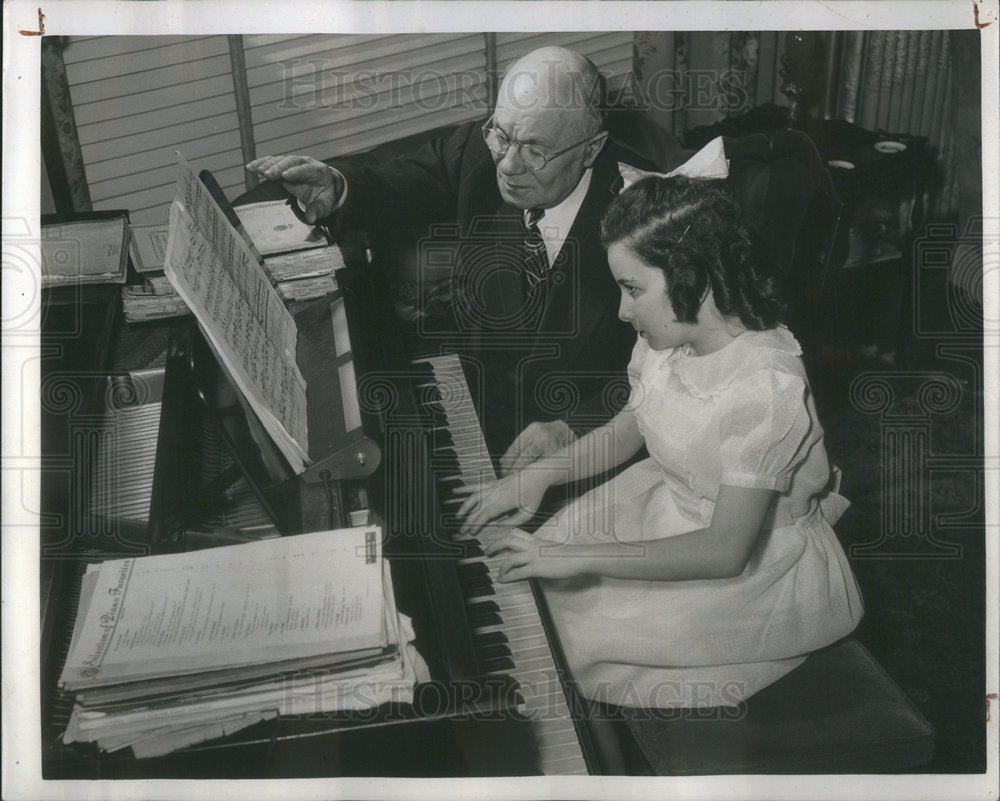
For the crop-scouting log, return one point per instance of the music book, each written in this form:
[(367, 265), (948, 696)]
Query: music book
[(148, 247), (84, 249), (243, 318)]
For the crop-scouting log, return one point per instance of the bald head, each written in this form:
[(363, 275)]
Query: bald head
[(549, 101), (558, 81)]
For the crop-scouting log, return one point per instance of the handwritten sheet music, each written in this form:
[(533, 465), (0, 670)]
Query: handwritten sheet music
[(239, 311)]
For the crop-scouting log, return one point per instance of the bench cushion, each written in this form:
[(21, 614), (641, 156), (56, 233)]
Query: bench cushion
[(839, 712)]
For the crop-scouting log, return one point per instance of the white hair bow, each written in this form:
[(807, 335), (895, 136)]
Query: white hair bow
[(709, 162)]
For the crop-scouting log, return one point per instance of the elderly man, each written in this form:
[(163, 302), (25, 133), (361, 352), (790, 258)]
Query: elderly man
[(534, 299)]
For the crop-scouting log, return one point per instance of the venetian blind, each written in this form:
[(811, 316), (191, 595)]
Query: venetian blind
[(137, 100), (328, 96)]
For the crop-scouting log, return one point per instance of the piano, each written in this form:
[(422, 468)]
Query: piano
[(170, 461)]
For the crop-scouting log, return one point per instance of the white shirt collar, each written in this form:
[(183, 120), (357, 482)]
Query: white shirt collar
[(556, 222)]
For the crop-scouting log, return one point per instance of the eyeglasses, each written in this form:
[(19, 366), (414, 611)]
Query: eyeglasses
[(531, 156)]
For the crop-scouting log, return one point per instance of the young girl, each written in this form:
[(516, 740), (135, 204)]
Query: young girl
[(705, 572)]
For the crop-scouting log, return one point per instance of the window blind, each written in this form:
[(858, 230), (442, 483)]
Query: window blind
[(137, 100), (327, 96)]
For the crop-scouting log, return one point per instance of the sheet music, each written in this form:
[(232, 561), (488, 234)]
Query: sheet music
[(276, 599), (240, 312)]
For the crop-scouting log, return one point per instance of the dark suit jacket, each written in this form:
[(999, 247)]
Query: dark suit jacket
[(561, 355)]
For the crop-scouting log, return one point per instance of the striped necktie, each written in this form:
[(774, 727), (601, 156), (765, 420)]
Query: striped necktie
[(536, 260)]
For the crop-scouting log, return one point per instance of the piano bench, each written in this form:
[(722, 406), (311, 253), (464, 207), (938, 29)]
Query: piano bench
[(838, 712)]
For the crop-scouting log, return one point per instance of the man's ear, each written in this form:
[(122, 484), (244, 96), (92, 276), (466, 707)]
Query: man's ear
[(593, 147)]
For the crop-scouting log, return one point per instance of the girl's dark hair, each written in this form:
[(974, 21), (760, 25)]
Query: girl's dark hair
[(691, 230)]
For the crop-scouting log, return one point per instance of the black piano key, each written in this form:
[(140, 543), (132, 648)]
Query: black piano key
[(470, 549), (503, 663), (484, 608), (446, 462), (478, 588), (489, 638), (443, 442), (429, 394), (473, 582), (449, 483), (494, 651), (485, 619), (447, 468), (446, 456), (472, 571)]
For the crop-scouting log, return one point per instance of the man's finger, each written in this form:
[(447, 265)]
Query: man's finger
[(263, 162), (317, 210), (272, 167), (305, 172)]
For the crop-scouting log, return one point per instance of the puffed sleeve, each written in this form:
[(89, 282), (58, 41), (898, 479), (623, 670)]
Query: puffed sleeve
[(639, 352), (763, 428)]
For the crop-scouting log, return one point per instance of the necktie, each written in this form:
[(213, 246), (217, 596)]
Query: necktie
[(536, 260)]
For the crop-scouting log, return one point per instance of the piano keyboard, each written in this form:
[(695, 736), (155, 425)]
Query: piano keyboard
[(508, 632)]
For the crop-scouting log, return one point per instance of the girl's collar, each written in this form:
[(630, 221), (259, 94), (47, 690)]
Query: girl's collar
[(707, 376)]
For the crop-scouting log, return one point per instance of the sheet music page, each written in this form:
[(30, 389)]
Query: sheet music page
[(276, 599), (240, 312)]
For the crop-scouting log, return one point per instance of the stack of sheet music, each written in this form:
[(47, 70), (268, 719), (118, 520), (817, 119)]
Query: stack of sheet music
[(155, 298), (82, 249), (305, 273), (298, 258), (175, 649), (151, 300)]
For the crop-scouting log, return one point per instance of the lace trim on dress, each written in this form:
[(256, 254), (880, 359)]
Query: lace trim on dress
[(708, 376)]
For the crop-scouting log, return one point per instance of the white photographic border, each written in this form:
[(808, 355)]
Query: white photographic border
[(21, 170)]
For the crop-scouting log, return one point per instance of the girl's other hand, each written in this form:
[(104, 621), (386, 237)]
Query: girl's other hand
[(512, 500), (525, 556)]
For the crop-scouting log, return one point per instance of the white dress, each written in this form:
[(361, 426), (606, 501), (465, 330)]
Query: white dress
[(741, 416)]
